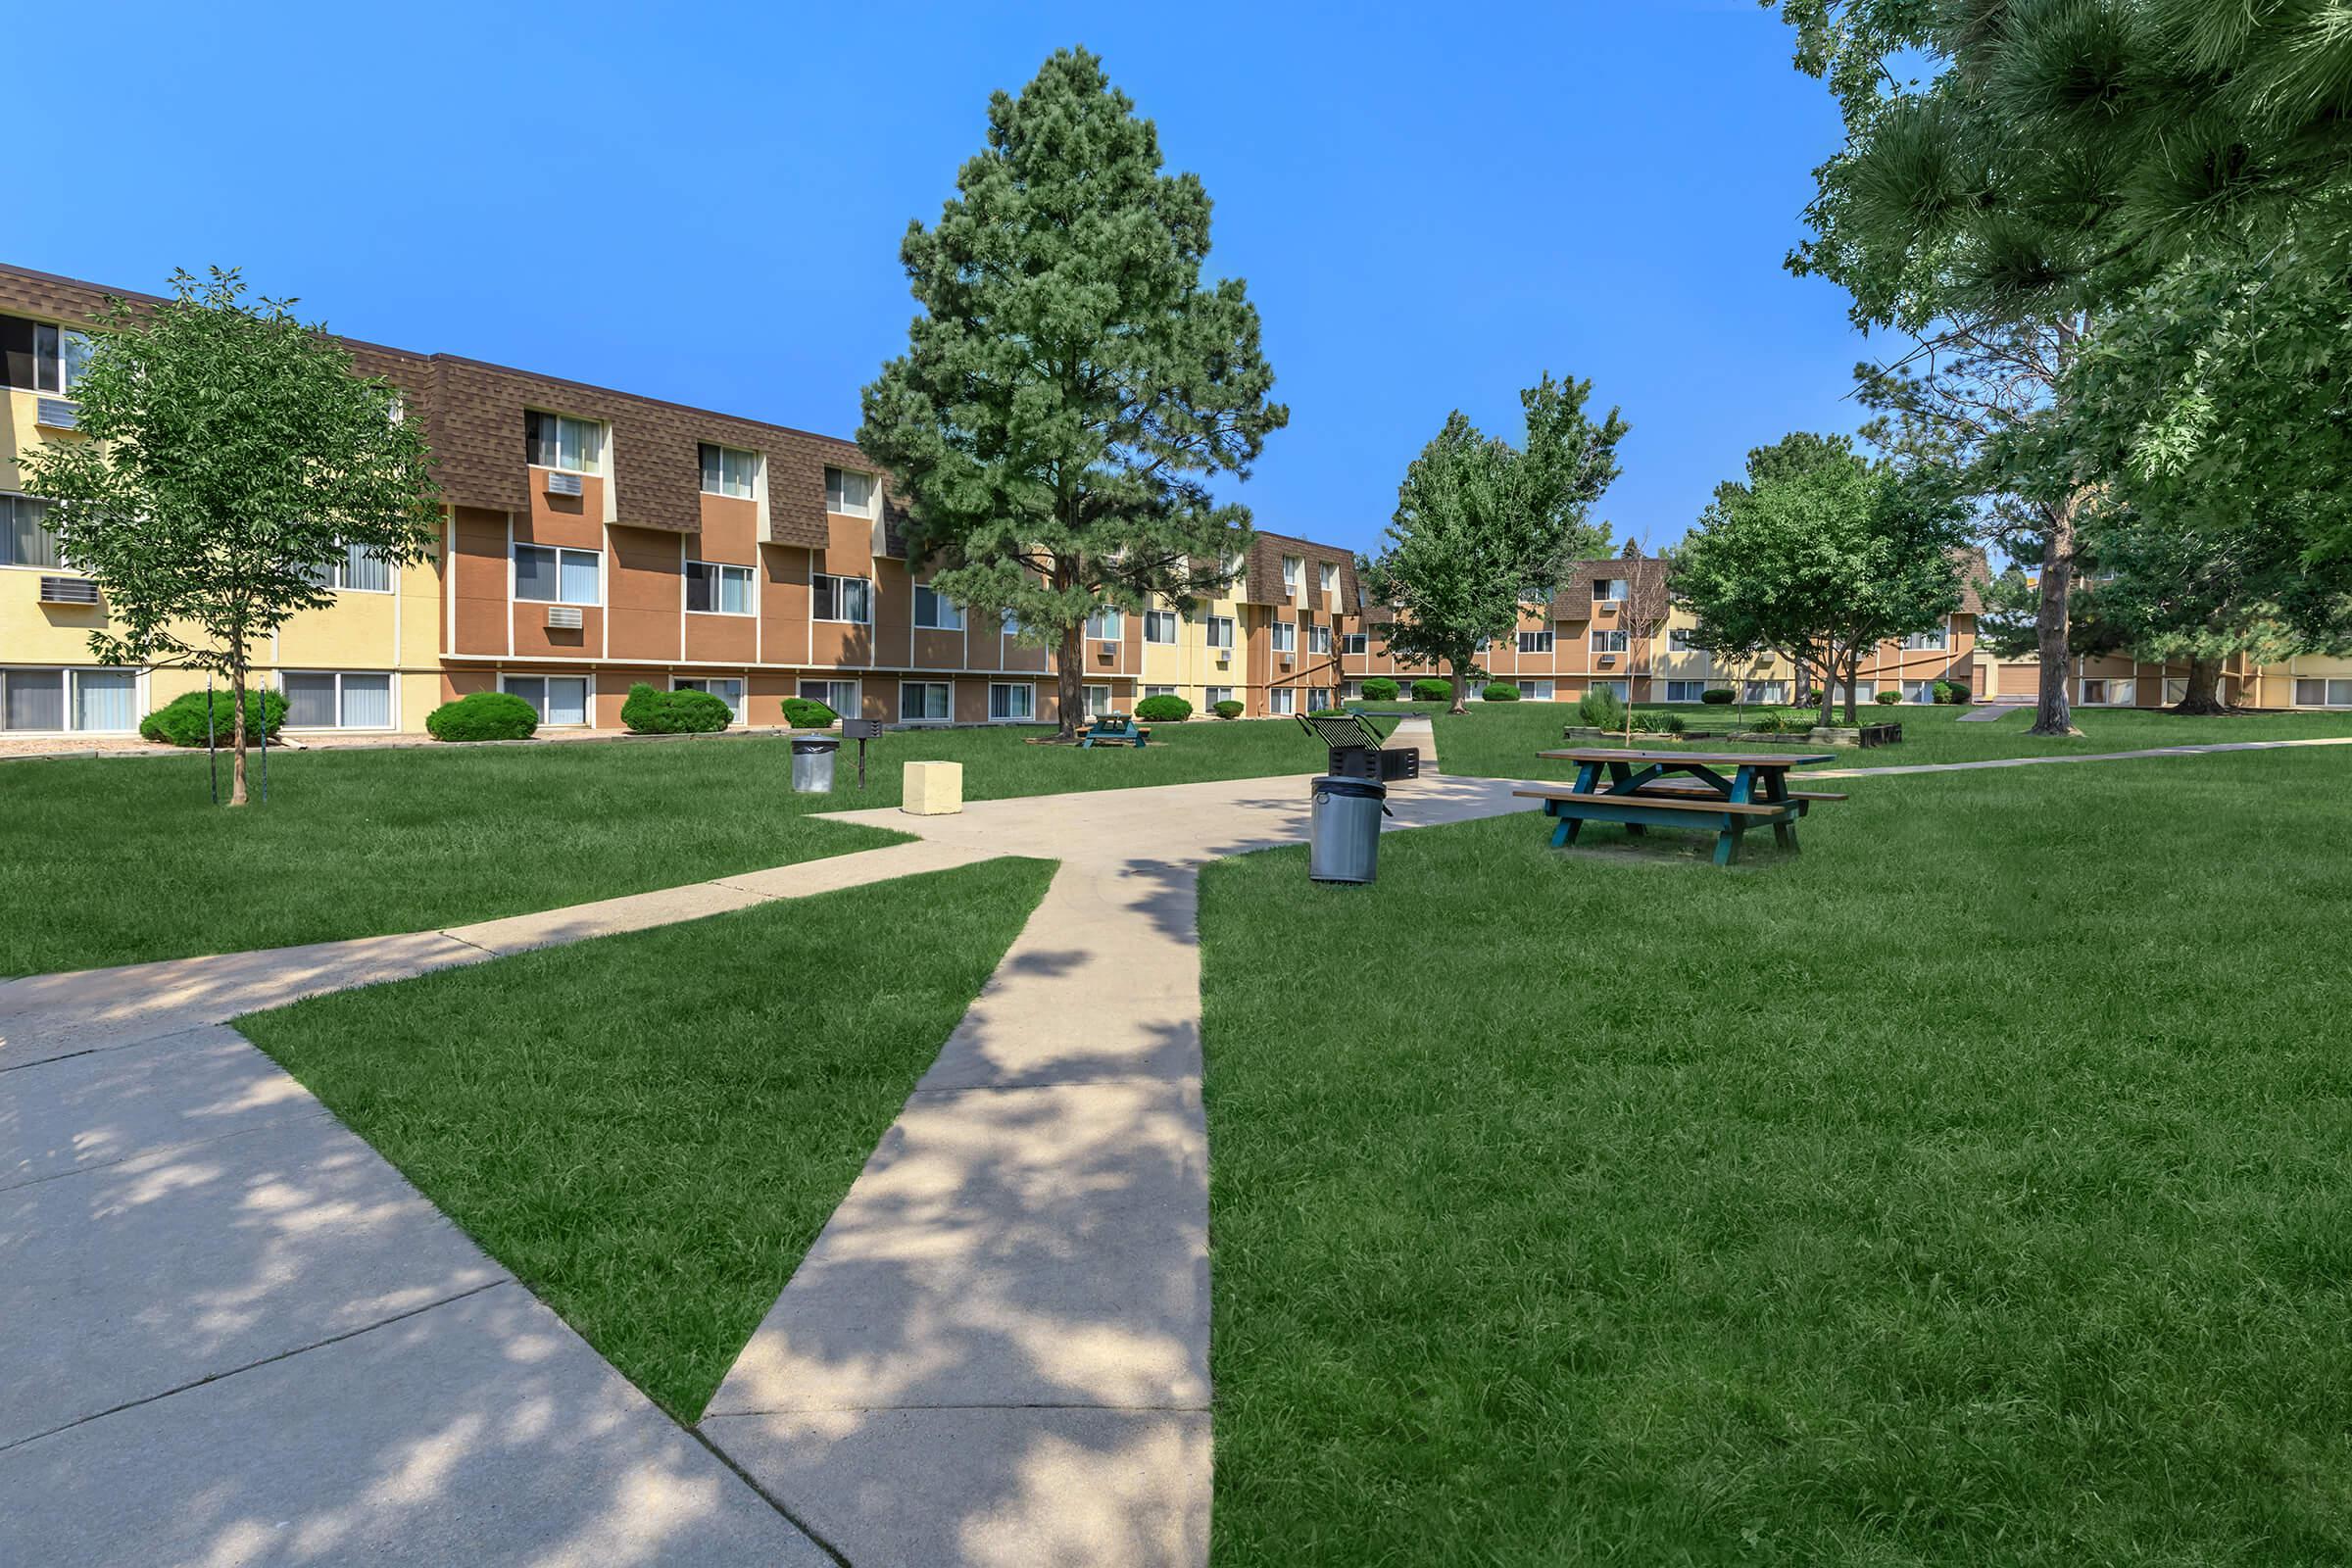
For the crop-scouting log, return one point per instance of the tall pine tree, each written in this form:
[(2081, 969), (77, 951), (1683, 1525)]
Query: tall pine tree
[(1071, 386)]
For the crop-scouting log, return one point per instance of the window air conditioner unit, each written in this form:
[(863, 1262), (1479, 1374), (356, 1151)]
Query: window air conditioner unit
[(562, 618), (56, 413), (68, 591), (1286, 661), (1224, 656), (1608, 607), (1608, 658), (564, 484), (1106, 650)]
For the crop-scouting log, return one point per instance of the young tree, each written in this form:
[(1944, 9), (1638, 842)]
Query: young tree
[(228, 456), (1821, 555), (1071, 386), (1483, 527)]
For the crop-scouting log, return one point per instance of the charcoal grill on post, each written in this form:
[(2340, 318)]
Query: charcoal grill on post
[(1357, 750)]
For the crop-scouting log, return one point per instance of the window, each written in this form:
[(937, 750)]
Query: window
[(1539, 691), (1623, 689), (935, 610), (58, 354), (25, 539), (1318, 639), (1220, 631), (1011, 703), (1766, 691), (1608, 590), (1237, 564), (715, 590), (1678, 639), (1097, 701), (1159, 625), (1329, 576), (356, 570), (1281, 700), (1924, 639), (1610, 641), (1159, 691), (545, 574), (849, 492), (1914, 691), (2103, 693), (2314, 693), (1356, 642), (729, 471), (841, 695), (103, 701), (1534, 642), (1293, 568), (557, 699), (324, 699), (560, 441), (1286, 636), (1107, 624), (924, 701), (1686, 691), (844, 599), (728, 688), (1218, 694)]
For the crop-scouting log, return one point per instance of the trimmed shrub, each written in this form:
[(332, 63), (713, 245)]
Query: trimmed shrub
[(1887, 698), (807, 713), (181, 721), (1501, 691), (1380, 689), (483, 717), (1950, 690), (1764, 724), (1228, 709), (1432, 691), (1601, 709), (1717, 696), (1165, 709), (650, 711)]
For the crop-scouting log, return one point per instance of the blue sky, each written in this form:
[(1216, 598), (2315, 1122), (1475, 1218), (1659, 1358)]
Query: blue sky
[(1432, 203)]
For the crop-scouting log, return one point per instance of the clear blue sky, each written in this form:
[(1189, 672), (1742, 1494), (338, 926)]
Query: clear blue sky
[(1433, 204)]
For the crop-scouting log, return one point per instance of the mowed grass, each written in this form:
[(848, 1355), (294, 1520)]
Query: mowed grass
[(1969, 1188), (649, 1130), (1501, 740), (124, 860)]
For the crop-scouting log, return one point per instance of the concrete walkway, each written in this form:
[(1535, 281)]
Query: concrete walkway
[(2074, 756), (1990, 713)]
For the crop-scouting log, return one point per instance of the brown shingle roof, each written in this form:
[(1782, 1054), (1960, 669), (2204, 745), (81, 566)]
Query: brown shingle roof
[(1261, 581), (1645, 576)]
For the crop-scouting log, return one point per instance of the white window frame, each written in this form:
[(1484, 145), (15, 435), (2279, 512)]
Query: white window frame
[(829, 689), (945, 615), (515, 574), (2328, 696), (1159, 627), (702, 683), (1327, 578), (1286, 636), (1281, 700), (1220, 631), (70, 697), (1294, 572), (1029, 688), (339, 677), (837, 491), (14, 501), (1678, 639), (1096, 700), (1623, 687), (751, 484), (1212, 696), (53, 365), (1609, 590), (720, 573), (1354, 641), (1318, 639), (1539, 691), (506, 683), (1914, 691), (1765, 693), (947, 690), (1107, 624), (865, 584), (1693, 686), (596, 464), (1159, 691), (1534, 642), (1609, 640), (2108, 686), (1926, 641)]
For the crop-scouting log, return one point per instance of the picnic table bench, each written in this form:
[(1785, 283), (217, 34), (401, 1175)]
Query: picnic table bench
[(1680, 789), (1113, 729)]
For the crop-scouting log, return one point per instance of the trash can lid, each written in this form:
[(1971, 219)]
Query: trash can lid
[(813, 745), (1359, 787)]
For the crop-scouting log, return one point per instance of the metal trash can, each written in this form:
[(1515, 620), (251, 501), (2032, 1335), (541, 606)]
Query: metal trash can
[(1344, 835), (813, 763)]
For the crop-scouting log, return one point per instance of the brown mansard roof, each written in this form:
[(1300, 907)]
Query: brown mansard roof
[(1261, 581)]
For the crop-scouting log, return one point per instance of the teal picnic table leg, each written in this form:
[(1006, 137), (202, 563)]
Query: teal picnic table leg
[(1620, 775), (1784, 827), (1587, 775), (1727, 841)]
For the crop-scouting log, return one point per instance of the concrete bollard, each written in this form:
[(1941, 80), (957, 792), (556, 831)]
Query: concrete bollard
[(933, 789)]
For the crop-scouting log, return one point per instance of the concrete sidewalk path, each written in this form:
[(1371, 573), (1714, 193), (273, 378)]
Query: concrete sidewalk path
[(1988, 713), (2210, 749), (997, 1351)]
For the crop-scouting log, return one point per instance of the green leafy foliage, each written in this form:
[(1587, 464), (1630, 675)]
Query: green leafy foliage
[(806, 712), (650, 711), (483, 717), (1227, 709), (1499, 691), (1380, 689), (1718, 696), (1072, 385), (1427, 690), (1601, 709), (1163, 709), (190, 719), (1890, 699)]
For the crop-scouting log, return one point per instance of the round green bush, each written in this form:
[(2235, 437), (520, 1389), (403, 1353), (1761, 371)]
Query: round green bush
[(1228, 709), (1952, 691), (1501, 691), (1432, 691), (483, 717), (1601, 709), (650, 711), (1380, 689), (181, 720), (1717, 696), (1887, 698), (1165, 709), (807, 713)]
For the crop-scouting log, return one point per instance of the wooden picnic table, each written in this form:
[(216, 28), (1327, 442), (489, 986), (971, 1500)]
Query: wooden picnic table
[(1728, 791)]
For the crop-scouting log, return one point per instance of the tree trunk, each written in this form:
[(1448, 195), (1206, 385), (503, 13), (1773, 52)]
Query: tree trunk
[(2204, 695), (236, 755), (1462, 687), (1829, 690), (1069, 681), (2053, 713), (1854, 674)]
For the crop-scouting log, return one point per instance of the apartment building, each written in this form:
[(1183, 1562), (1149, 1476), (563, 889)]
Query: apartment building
[(592, 539), (2314, 682)]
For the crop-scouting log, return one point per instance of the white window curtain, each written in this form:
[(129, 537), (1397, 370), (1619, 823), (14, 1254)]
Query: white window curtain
[(310, 702), (580, 575), (367, 702), (106, 700), (24, 542), (36, 697)]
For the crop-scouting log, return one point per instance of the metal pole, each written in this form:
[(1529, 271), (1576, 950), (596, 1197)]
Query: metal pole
[(212, 741), (264, 746)]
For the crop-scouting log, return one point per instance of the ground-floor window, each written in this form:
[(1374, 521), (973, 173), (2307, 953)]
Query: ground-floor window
[(1283, 699), (1159, 691), (1919, 691), (1011, 703), (728, 688), (328, 700), (841, 695), (1536, 691), (924, 701), (1767, 691), (2100, 692), (1686, 691), (1623, 689), (1219, 694), (556, 699), (1098, 700), (2311, 692), (98, 702)]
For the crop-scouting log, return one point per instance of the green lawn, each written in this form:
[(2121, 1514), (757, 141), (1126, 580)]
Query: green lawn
[(123, 860), (1970, 1189), (651, 1129)]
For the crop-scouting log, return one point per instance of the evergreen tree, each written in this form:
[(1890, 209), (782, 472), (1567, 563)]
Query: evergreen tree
[(1071, 386)]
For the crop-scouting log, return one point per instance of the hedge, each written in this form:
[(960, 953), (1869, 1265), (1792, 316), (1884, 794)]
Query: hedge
[(1501, 691), (483, 717), (650, 711), (1432, 691), (181, 721), (1165, 709), (1380, 689), (1887, 698), (1228, 709), (1717, 696), (807, 713)]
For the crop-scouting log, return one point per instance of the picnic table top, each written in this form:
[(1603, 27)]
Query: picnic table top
[(1761, 760)]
